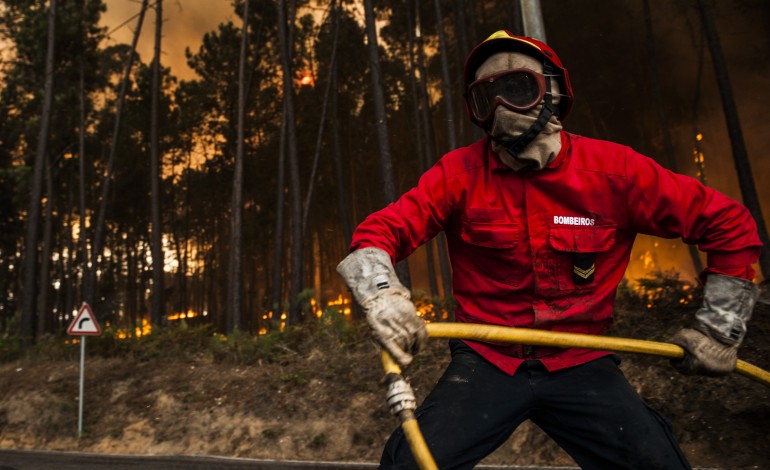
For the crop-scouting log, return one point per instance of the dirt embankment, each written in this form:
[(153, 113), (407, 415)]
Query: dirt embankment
[(324, 402)]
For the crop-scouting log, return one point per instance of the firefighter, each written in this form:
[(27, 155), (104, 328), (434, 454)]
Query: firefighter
[(540, 224)]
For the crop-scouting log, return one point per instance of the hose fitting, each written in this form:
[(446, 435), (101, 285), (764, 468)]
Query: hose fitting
[(399, 395)]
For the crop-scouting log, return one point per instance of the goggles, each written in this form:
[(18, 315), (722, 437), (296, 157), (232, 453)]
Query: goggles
[(517, 89)]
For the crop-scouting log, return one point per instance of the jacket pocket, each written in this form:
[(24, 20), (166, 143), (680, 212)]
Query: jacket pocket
[(490, 250), (578, 254), (490, 235)]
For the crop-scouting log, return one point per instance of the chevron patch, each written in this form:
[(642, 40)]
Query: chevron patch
[(583, 268)]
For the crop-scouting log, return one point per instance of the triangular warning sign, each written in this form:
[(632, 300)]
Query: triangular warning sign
[(84, 323)]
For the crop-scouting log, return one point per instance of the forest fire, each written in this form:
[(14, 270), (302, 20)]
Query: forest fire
[(307, 80), (143, 329), (341, 304), (97, 211), (652, 296), (182, 315)]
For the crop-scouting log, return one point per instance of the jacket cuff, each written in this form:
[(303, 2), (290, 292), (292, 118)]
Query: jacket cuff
[(734, 263)]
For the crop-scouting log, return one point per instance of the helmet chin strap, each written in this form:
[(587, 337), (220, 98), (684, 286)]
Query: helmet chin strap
[(514, 145)]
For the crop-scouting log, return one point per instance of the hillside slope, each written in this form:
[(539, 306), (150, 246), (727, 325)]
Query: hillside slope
[(321, 398)]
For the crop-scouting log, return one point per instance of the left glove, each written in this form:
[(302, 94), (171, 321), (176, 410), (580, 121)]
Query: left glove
[(711, 348), (390, 313)]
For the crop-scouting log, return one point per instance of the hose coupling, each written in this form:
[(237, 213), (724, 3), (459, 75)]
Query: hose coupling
[(399, 395)]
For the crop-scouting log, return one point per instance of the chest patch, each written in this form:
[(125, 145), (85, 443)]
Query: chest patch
[(583, 268)]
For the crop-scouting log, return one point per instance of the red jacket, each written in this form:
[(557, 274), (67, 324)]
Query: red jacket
[(547, 249)]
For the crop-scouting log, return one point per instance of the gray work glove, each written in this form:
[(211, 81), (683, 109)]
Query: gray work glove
[(711, 348), (390, 313)]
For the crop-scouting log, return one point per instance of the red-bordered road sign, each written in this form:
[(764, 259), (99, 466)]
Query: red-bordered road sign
[(84, 323)]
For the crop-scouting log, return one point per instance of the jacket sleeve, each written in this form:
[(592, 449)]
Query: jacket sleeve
[(416, 217), (670, 205)]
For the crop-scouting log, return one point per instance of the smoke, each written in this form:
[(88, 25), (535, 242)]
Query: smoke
[(185, 23), (604, 46)]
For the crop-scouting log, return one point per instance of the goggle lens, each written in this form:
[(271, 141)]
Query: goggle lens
[(519, 90)]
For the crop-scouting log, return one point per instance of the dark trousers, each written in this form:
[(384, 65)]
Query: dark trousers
[(590, 410)]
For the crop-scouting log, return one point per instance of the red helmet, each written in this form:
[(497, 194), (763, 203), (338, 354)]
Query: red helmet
[(505, 41)]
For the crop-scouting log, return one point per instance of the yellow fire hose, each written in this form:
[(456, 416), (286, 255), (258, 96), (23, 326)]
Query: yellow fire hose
[(536, 338)]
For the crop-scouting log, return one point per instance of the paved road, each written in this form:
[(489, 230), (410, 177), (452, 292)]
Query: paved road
[(32, 460)]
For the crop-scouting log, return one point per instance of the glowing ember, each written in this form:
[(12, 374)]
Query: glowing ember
[(307, 80), (183, 315)]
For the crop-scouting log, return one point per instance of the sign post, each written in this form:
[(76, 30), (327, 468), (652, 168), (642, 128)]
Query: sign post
[(84, 324)]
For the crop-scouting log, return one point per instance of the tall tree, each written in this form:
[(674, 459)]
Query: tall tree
[(33, 213), (157, 310), (43, 320), (99, 225), (740, 155), (423, 145), (296, 243), (82, 221), (343, 205), (428, 130), (276, 292), (381, 118), (235, 288), (324, 106), (446, 82)]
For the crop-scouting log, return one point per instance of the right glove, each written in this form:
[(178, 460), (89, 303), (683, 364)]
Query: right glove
[(391, 315), (711, 348), (703, 355)]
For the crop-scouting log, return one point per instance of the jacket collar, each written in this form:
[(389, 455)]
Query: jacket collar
[(496, 164)]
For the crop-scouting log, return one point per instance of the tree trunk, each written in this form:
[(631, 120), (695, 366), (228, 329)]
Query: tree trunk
[(422, 147), (740, 155), (43, 319), (68, 263), (98, 230), (235, 289), (185, 300), (446, 82), (343, 204), (319, 139), (463, 48), (381, 118), (428, 131), (668, 145), (342, 186), (33, 213), (276, 302), (82, 181), (157, 313), (132, 272), (296, 243)]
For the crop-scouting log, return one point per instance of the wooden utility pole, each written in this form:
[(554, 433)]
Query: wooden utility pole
[(532, 19)]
